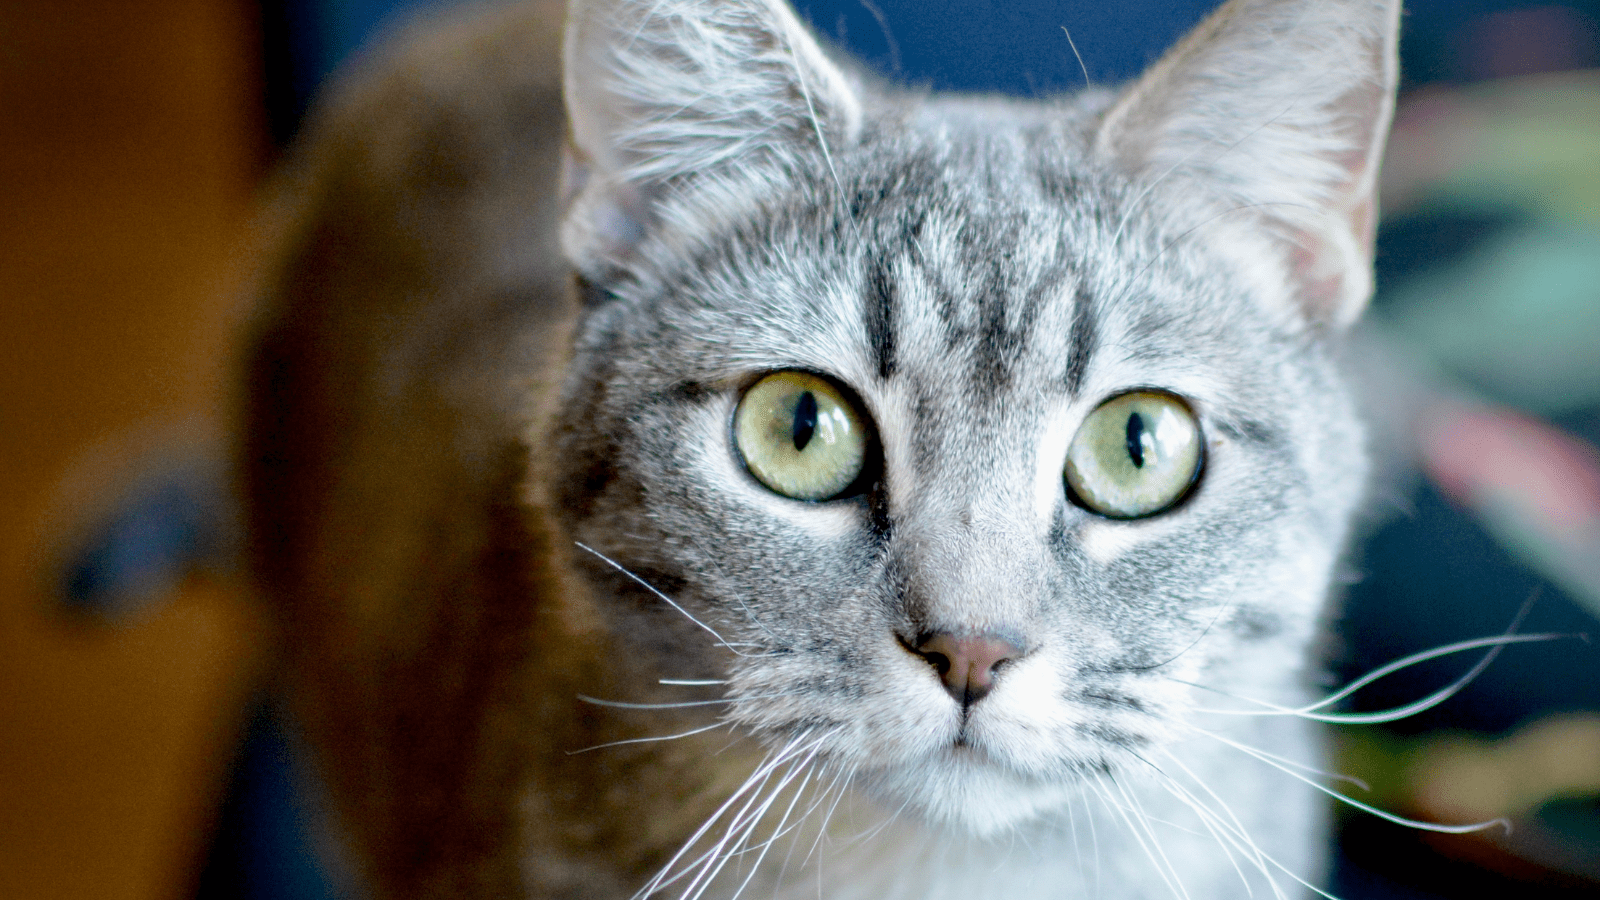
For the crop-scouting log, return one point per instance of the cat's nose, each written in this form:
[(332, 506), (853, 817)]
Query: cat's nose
[(967, 663)]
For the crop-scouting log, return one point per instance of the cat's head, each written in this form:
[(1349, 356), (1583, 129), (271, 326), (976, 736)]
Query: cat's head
[(977, 429)]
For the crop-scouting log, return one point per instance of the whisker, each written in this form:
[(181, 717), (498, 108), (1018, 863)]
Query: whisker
[(816, 804), (1496, 644), (1239, 837), (745, 822), (1351, 801), (781, 830), (691, 682), (1504, 638), (822, 141), (1155, 841), (663, 878), (1208, 819), (1081, 67), (843, 783), (711, 862), (649, 740), (766, 845), (685, 704), (1141, 834), (1334, 776), (663, 597)]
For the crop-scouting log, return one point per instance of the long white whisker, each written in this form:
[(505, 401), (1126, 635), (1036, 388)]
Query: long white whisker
[(1496, 644), (772, 761), (781, 830), (797, 768), (1094, 841), (1209, 820), (1139, 831), (816, 804), (685, 704), (844, 786), (1351, 801), (745, 822), (650, 740), (1081, 67), (1155, 841), (1509, 636), (778, 832), (820, 799), (1240, 836), (822, 139), (663, 597), (1313, 770), (691, 682), (709, 863), (1268, 858), (1439, 696)]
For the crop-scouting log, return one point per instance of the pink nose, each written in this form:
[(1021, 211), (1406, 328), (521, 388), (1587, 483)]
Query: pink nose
[(967, 664)]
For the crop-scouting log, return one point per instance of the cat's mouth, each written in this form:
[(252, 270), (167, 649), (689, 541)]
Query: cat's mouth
[(968, 787)]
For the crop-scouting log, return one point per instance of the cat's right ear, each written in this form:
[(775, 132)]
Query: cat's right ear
[(662, 93)]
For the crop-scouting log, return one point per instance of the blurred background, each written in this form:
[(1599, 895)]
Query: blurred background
[(140, 756)]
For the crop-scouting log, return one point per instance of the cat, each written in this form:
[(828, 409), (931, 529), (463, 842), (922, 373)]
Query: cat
[(682, 463)]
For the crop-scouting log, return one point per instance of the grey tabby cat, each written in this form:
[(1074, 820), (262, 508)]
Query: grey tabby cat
[(761, 481)]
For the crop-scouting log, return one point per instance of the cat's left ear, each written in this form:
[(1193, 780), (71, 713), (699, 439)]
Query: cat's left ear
[(660, 93), (1278, 109)]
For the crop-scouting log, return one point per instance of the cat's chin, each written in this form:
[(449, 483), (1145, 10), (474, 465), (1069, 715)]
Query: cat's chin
[(965, 790)]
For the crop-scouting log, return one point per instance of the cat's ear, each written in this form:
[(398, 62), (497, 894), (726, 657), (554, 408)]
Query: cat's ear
[(659, 92), (1279, 108)]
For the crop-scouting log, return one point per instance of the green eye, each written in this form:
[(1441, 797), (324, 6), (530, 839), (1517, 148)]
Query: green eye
[(800, 436), (1135, 455)]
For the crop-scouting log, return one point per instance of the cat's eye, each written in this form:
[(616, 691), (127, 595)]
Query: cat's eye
[(1136, 455), (800, 436)]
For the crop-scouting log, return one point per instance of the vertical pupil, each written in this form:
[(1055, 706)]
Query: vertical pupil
[(1135, 439), (805, 420)]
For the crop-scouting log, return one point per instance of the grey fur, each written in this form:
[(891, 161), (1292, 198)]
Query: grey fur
[(980, 273)]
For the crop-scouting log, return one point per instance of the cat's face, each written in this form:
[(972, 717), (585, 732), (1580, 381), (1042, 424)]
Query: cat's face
[(985, 296)]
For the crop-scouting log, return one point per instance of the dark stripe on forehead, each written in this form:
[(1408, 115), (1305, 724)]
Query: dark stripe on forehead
[(878, 310), (1040, 294), (1006, 329), (1084, 336), (993, 346)]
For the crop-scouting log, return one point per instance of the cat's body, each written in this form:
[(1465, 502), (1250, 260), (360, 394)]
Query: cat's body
[(466, 521)]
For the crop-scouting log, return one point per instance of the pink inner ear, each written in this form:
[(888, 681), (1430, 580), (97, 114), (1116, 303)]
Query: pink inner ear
[(1333, 269)]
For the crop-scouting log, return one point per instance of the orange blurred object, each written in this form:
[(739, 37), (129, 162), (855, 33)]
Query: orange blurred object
[(131, 146)]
